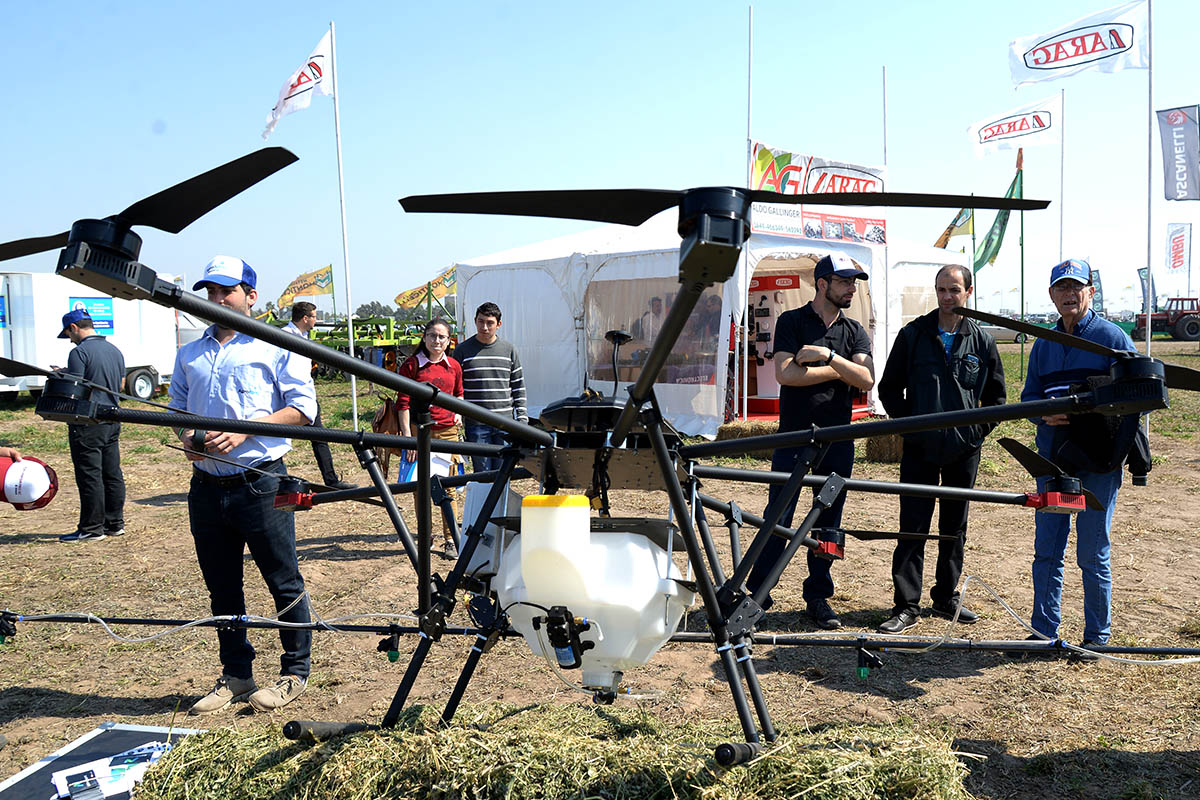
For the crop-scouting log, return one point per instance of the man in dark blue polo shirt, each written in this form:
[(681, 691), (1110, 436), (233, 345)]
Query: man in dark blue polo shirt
[(819, 355), (96, 449)]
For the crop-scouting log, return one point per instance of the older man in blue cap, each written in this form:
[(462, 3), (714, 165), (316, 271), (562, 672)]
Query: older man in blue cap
[(1053, 370), (228, 374), (96, 449)]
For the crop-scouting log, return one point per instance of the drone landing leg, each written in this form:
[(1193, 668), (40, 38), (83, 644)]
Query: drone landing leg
[(370, 462), (433, 623), (772, 515), (708, 593), (424, 504), (734, 523), (483, 642), (710, 547), (739, 642)]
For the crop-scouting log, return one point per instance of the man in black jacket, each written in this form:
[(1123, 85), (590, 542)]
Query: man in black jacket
[(939, 362)]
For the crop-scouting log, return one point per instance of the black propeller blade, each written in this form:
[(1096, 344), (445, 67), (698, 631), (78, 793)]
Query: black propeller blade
[(1177, 377), (635, 206), (173, 209), (27, 247), (16, 369), (1039, 466)]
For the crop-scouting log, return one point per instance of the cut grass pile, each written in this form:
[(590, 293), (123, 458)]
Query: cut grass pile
[(496, 751)]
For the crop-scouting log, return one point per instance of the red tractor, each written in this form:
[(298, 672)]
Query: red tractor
[(1180, 317)]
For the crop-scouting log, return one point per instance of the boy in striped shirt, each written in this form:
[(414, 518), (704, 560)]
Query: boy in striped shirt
[(492, 379)]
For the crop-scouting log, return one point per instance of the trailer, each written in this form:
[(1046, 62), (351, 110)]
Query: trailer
[(32, 305)]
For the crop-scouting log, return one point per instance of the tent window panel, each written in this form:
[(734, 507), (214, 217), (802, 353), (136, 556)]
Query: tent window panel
[(639, 306)]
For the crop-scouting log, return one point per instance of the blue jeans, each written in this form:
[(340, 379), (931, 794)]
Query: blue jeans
[(227, 520), (1091, 554), (819, 583), (483, 434)]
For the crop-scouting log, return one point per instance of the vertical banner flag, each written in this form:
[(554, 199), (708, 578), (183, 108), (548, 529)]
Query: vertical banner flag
[(990, 247), (792, 173), (1031, 124), (1179, 247), (1147, 279), (310, 283), (314, 76), (442, 285), (1109, 40), (1181, 152), (963, 224), (1098, 297)]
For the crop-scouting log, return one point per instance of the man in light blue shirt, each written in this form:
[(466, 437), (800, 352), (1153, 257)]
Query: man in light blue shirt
[(229, 374)]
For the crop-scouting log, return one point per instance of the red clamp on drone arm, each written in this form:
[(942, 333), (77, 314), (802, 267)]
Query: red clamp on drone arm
[(294, 501), (1056, 502), (830, 550)]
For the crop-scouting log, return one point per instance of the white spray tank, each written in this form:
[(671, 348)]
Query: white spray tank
[(615, 577)]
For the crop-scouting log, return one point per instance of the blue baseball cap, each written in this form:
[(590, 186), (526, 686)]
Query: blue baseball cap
[(838, 264), (227, 271), (1072, 269), (71, 318)]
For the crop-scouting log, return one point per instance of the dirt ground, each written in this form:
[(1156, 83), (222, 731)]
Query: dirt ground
[(1026, 728)]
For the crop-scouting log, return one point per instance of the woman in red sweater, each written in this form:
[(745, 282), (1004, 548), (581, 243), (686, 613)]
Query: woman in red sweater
[(431, 365)]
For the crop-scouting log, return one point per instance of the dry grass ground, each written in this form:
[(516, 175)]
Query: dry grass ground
[(1024, 728)]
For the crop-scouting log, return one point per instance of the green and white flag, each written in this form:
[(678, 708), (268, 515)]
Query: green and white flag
[(990, 247)]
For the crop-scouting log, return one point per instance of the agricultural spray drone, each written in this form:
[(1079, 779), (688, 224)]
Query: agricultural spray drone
[(549, 574)]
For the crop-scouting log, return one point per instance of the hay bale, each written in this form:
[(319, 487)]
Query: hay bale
[(496, 751), (885, 449), (740, 429)]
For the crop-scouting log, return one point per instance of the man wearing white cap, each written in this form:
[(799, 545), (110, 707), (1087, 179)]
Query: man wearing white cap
[(229, 374), (819, 355)]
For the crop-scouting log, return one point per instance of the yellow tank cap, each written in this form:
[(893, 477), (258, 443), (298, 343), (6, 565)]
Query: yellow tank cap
[(555, 500)]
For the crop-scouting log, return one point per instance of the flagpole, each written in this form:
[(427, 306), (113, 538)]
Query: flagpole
[(1149, 173), (332, 289), (886, 272), (975, 277), (1149, 177), (1062, 157), (744, 350), (337, 135)]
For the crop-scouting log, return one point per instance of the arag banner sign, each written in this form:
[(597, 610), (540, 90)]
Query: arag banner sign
[(1026, 126), (1181, 152), (1108, 41), (1179, 248), (786, 172)]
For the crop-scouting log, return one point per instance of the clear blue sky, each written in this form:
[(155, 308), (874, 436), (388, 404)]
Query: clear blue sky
[(107, 102)]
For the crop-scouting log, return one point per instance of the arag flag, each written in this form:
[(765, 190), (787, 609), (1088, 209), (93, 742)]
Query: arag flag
[(1179, 248), (1031, 124), (310, 283), (1181, 152), (1108, 41)]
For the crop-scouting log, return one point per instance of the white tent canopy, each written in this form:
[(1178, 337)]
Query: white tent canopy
[(558, 297)]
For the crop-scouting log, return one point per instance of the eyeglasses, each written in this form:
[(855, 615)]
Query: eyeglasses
[(1068, 287), (437, 337)]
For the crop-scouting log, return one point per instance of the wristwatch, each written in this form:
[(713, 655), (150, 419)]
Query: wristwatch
[(829, 360)]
